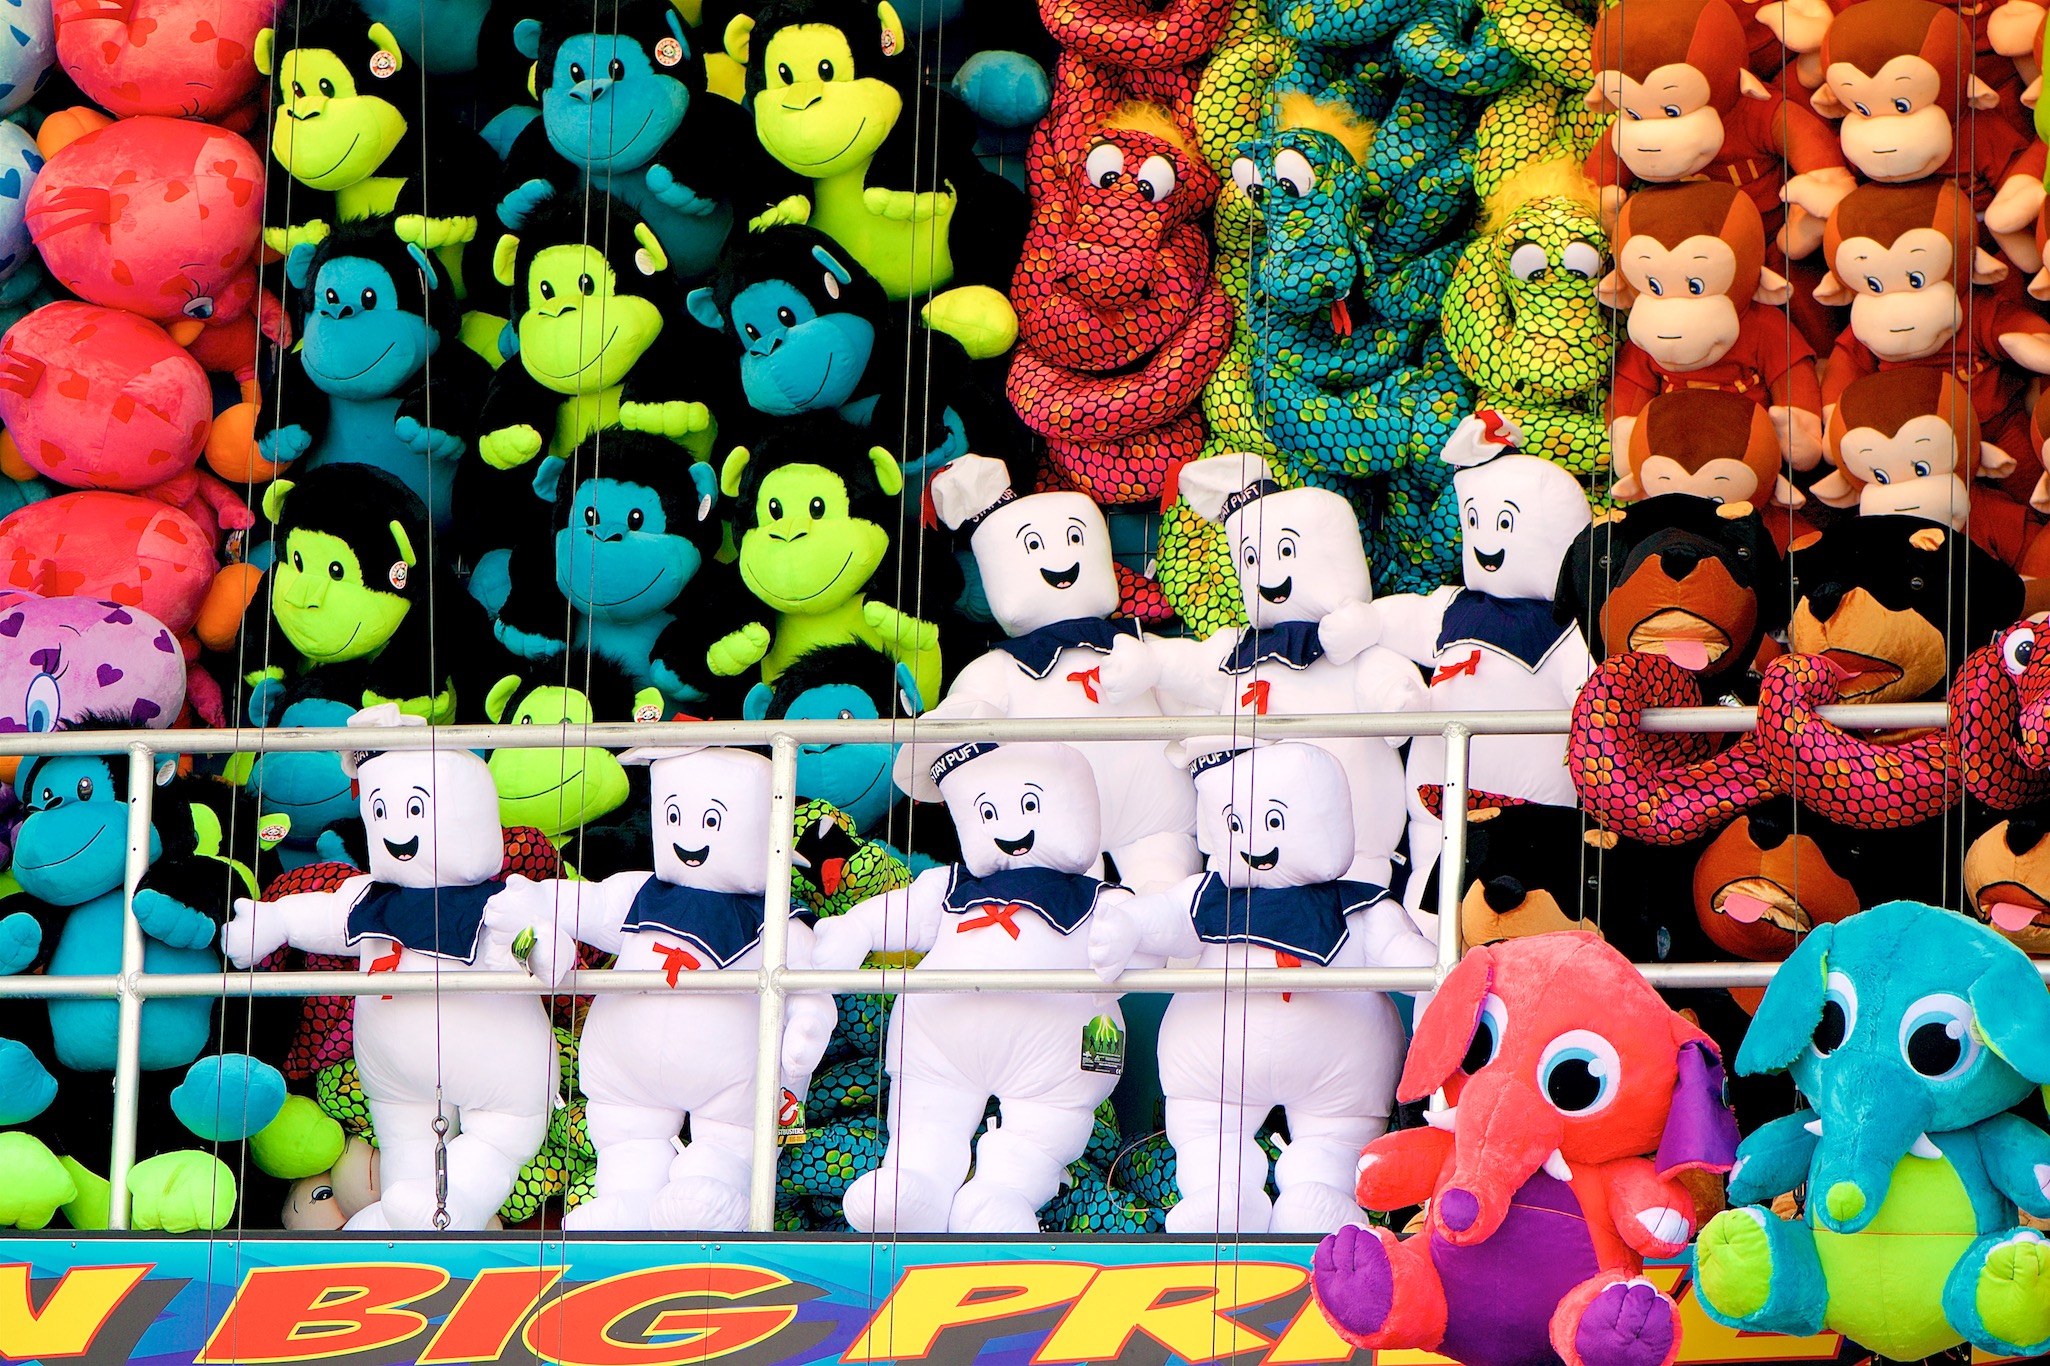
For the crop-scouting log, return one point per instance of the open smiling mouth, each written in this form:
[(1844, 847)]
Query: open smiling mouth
[(1280, 591), (1063, 578), (1491, 562), (1862, 673), (403, 852), (2011, 907), (691, 858), (1017, 847), (1261, 862), (1752, 900)]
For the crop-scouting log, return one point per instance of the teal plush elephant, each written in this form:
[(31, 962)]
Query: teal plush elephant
[(1910, 1031)]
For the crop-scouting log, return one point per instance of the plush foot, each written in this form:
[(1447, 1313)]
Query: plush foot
[(1313, 1207), (1354, 1280), (1733, 1263), (1629, 1324), (1204, 1212), (181, 1192), (886, 1201), (34, 1184), (698, 1202), (2013, 1296), (611, 1214), (984, 1207)]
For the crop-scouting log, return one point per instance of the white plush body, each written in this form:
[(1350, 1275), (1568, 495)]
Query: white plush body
[(946, 1055), (490, 1061)]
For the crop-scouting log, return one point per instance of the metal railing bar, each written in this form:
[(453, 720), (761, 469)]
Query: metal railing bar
[(128, 1026), (761, 1195)]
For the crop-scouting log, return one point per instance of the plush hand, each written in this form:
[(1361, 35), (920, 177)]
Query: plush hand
[(429, 443), (21, 939), (1007, 89), (737, 652), (308, 234), (526, 907), (283, 445), (251, 934), (170, 921), (1113, 939), (26, 1086), (905, 206), (226, 1098), (180, 1193), (1129, 670), (526, 644), (672, 194), (909, 633), (521, 202), (2030, 350), (795, 209), (432, 234), (1800, 434), (675, 419), (1349, 630), (2014, 208), (34, 1184), (509, 447), (2011, 29), (980, 318), (807, 1028), (1818, 191), (839, 943)]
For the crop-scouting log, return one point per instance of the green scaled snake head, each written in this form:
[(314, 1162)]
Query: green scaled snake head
[(1522, 318), (1312, 200)]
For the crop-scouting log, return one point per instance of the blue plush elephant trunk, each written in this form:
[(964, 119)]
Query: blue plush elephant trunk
[(1869, 1129)]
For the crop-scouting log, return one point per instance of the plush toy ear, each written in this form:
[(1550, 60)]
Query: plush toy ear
[(548, 478), (433, 281), (1834, 292), (704, 306), (299, 265), (534, 81), (1987, 269), (509, 340), (755, 706), (404, 543), (1980, 95), (501, 694), (909, 699), (650, 259), (739, 29), (892, 27), (1785, 495), (381, 37), (1994, 462), (889, 475), (707, 485), (1785, 1020), (1774, 289), (2011, 1010), (1700, 1132), (527, 38), (1447, 1026), (1825, 103), (266, 50), (1615, 291), (833, 267), (240, 766), (274, 499), (730, 472), (676, 31), (1837, 489), (504, 257), (1750, 87)]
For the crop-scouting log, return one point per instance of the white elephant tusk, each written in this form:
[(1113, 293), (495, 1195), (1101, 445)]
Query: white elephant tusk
[(1556, 1168), (1442, 1119), (1814, 1126), (1922, 1147)]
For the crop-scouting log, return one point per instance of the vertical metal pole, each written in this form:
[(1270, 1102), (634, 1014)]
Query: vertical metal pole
[(128, 1034), (1452, 851), (761, 1196)]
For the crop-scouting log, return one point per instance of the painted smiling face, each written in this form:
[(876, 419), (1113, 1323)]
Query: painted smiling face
[(1025, 806), (1276, 816), (710, 814), (1520, 515), (430, 819), (1045, 559), (1299, 555)]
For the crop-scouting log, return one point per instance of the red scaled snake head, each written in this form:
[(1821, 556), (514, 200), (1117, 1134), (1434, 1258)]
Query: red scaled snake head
[(2025, 658), (1136, 188)]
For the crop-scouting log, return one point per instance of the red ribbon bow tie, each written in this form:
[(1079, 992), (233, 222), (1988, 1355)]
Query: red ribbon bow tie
[(675, 959), (1000, 916)]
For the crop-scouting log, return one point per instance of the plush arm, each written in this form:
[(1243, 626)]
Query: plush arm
[(809, 1015), (2017, 1158), (28, 933), (1402, 1168), (1410, 622), (297, 402), (903, 921), (1190, 683), (1390, 938), (312, 922), (1654, 1214), (563, 912), (1154, 928), (434, 416), (517, 419), (1773, 1159)]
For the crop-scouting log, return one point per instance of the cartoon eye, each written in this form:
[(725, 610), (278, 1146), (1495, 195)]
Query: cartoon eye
[(1286, 549), (1921, 469), (43, 704), (298, 91), (50, 800), (753, 333), (825, 70), (547, 290), (320, 1193), (1029, 804), (711, 819), (1156, 178), (1292, 169), (1034, 543), (369, 299), (591, 515), (377, 809), (586, 286), (335, 570), (1695, 285), (415, 808), (332, 297), (576, 73), (775, 509), (674, 813), (1473, 519), (1578, 1072), (1488, 1032), (1873, 285), (1839, 1015), (1937, 1038), (1104, 164), (1881, 477), (1633, 116), (1252, 555), (527, 720), (2015, 652), (986, 810), (1246, 175), (1863, 112), (1275, 821), (327, 87), (298, 563), (1075, 535), (616, 69), (817, 509), (1671, 111), (846, 715), (1916, 279), (1236, 826), (1916, 584), (1505, 520), (634, 519), (786, 317), (783, 76), (85, 789), (200, 306), (1653, 287), (1903, 105), (1529, 262), (1581, 259)]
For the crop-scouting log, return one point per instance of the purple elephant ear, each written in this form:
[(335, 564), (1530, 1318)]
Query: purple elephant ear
[(1700, 1129)]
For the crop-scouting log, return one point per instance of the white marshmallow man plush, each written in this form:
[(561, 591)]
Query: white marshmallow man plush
[(1276, 825), (1047, 569), (647, 1061), (1299, 558), (430, 822), (1022, 897), (1494, 643)]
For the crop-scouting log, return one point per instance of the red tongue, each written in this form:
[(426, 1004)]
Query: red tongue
[(1745, 910), (1341, 320)]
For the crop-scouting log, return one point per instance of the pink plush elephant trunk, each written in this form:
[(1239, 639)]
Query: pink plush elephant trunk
[(1506, 1132)]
